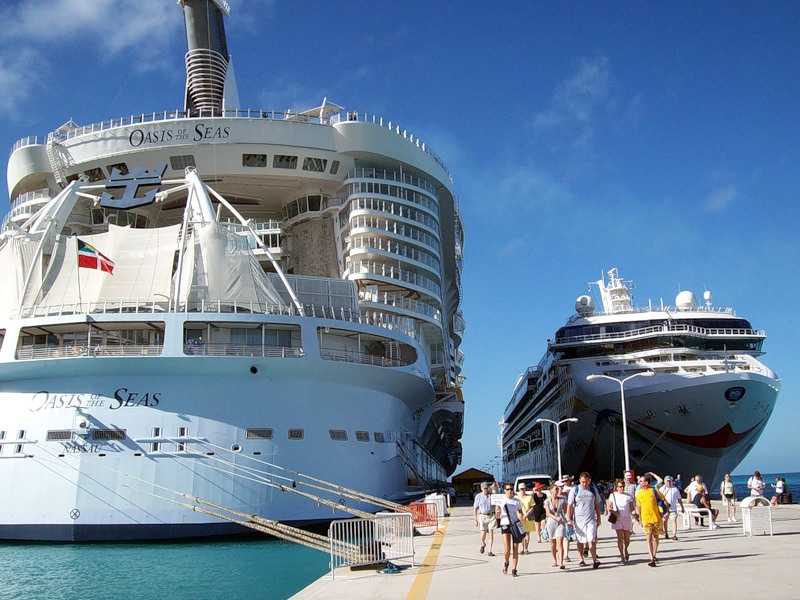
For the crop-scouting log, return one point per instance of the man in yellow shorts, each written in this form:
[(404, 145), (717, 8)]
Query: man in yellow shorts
[(649, 516)]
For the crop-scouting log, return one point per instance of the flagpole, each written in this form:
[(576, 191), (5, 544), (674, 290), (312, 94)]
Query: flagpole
[(78, 262)]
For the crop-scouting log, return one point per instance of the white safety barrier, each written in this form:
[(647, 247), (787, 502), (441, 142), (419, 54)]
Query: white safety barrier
[(441, 504), (756, 516), (354, 542)]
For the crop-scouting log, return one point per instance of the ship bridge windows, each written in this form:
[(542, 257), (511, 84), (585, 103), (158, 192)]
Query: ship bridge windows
[(95, 174), (305, 204), (94, 339), (316, 165), (283, 161), (179, 163), (354, 346), (122, 218), (121, 168), (254, 160), (242, 339)]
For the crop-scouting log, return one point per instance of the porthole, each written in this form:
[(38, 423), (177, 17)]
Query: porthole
[(236, 448)]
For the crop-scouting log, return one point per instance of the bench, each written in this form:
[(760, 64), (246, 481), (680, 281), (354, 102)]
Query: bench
[(690, 511)]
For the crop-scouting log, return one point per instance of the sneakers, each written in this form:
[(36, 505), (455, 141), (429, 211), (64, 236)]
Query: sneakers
[(733, 519), (714, 526), (483, 546)]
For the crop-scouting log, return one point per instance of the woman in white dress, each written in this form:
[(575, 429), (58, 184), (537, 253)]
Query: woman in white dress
[(556, 525), (510, 515), (620, 503)]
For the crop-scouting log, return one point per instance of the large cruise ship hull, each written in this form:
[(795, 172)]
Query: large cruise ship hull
[(677, 423), (84, 489)]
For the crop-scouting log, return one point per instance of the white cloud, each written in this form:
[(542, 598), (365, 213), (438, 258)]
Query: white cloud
[(40, 33), (719, 199), (577, 98)]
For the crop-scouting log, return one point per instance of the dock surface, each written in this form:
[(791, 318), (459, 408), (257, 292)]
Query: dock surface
[(702, 563)]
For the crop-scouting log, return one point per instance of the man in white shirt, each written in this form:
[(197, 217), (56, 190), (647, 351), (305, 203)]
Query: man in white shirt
[(485, 518), (583, 513), (673, 497)]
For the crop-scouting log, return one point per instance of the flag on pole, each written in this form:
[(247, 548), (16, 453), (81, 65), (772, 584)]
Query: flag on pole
[(90, 258)]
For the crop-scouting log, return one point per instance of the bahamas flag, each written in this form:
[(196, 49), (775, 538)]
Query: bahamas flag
[(90, 258)]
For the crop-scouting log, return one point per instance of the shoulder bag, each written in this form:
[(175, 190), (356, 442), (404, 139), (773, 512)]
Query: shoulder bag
[(613, 515), (516, 528)]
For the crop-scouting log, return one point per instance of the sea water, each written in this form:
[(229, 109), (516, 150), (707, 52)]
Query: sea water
[(252, 569)]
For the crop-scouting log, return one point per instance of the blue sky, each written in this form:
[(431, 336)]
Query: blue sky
[(662, 139)]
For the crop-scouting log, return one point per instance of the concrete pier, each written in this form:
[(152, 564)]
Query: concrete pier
[(701, 564)]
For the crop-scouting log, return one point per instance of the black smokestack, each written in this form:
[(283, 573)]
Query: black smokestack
[(207, 58)]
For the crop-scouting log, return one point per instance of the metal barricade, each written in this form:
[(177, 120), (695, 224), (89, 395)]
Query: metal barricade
[(756, 516), (356, 542), (425, 514)]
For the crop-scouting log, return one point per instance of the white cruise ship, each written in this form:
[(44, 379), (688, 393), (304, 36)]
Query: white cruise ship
[(696, 395), (204, 302)]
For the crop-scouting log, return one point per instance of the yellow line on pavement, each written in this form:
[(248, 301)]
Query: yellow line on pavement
[(419, 589)]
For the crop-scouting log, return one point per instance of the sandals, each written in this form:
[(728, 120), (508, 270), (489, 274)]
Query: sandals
[(562, 567), (490, 554), (513, 572), (505, 568), (483, 546), (581, 564), (652, 563), (674, 538), (596, 564)]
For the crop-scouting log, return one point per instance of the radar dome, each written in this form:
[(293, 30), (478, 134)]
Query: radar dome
[(584, 306), (686, 301)]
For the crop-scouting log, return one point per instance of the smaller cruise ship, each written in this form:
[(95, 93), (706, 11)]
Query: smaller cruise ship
[(699, 406)]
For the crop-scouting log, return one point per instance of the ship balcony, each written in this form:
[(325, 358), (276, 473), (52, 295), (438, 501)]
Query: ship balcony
[(366, 223), (381, 250), (400, 304), (391, 275)]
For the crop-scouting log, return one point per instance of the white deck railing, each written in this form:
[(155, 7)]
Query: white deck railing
[(662, 329)]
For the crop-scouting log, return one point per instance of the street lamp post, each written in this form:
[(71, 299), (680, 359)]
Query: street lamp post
[(621, 383), (558, 437)]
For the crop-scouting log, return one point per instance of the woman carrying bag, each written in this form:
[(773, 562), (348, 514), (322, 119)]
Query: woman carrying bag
[(620, 516), (510, 516)]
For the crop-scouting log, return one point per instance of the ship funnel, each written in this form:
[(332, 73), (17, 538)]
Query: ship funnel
[(207, 58)]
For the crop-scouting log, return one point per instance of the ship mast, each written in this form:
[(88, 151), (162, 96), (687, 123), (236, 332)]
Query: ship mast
[(210, 85)]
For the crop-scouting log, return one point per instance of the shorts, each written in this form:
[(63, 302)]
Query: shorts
[(624, 522), (586, 532), (655, 529), (487, 522)]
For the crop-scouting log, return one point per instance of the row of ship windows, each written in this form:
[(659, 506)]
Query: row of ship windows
[(261, 433), (179, 163)]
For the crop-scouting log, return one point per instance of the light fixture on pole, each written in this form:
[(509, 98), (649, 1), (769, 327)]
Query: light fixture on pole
[(621, 383), (558, 437)]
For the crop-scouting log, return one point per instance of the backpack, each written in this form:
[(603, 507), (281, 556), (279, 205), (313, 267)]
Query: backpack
[(662, 506)]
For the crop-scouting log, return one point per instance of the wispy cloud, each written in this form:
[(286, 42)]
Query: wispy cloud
[(720, 198), (578, 97), (37, 32)]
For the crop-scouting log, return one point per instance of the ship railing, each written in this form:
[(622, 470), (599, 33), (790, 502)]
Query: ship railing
[(392, 272), (361, 358), (664, 330), (404, 325), (384, 175), (394, 127), (78, 350), (400, 301), (67, 133), (263, 351)]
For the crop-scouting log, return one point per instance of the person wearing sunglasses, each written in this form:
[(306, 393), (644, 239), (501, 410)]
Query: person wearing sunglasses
[(510, 514), (621, 504)]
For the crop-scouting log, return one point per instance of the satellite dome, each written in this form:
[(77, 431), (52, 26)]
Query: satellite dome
[(584, 306), (686, 301)]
